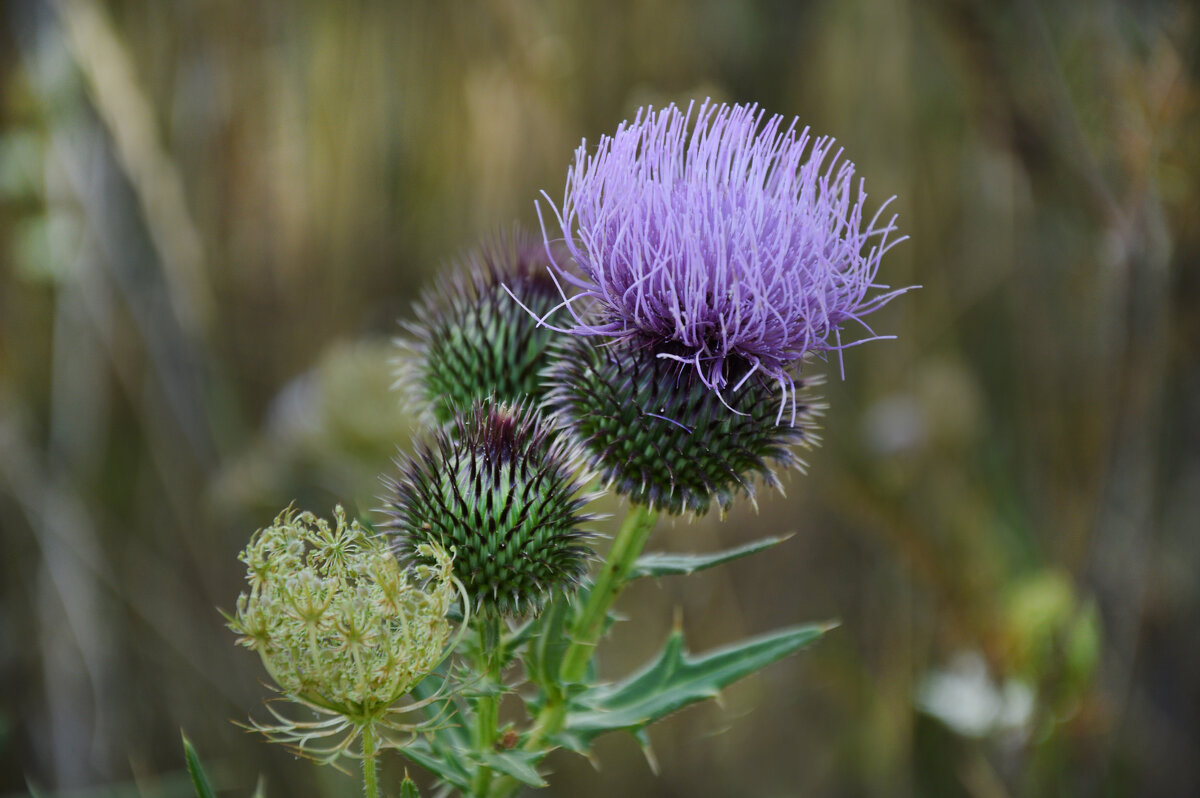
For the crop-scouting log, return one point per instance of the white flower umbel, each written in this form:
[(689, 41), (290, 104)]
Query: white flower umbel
[(344, 631)]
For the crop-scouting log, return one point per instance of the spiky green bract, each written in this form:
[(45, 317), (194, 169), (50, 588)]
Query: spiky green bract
[(499, 486), (471, 340), (656, 432)]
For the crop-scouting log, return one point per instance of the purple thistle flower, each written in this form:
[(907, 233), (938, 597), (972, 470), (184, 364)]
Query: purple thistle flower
[(735, 238)]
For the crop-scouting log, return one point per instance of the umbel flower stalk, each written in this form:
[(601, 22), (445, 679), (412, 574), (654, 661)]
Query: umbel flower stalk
[(499, 486), (344, 632)]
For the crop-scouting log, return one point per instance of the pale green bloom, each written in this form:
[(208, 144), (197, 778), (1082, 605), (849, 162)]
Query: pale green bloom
[(341, 628)]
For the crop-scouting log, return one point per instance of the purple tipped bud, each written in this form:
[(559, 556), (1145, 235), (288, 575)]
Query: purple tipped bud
[(471, 340), (499, 488)]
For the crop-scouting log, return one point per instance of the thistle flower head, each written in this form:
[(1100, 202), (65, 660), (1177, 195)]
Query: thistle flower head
[(498, 486), (340, 627), (655, 432), (736, 238), (471, 340)]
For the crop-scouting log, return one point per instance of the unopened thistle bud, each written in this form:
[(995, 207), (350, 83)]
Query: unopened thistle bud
[(341, 628), (654, 430), (471, 340), (499, 487)]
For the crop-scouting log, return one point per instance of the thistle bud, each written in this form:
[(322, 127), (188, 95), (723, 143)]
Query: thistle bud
[(656, 431), (472, 339), (498, 486)]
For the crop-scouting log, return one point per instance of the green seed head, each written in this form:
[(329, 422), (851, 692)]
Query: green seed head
[(656, 433), (471, 340), (499, 487), (339, 625)]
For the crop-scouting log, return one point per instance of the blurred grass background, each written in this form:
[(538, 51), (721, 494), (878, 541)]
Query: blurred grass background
[(212, 213)]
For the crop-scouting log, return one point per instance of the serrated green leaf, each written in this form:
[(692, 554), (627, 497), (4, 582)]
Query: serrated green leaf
[(661, 564), (512, 642), (438, 750), (643, 739), (516, 763), (457, 766), (408, 789), (673, 681), (448, 728), (547, 643), (196, 770), (441, 760)]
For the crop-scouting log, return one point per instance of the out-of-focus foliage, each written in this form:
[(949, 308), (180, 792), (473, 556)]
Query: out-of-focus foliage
[(212, 214)]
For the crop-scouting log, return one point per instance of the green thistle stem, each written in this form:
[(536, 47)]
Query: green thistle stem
[(591, 620), (369, 750), (549, 721), (586, 631), (487, 705)]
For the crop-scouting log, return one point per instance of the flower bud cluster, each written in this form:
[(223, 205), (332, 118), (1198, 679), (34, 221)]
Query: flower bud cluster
[(657, 347), (337, 622)]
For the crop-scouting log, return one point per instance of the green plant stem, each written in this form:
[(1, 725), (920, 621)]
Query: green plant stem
[(586, 630), (369, 750), (549, 721), (593, 617), (487, 705)]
